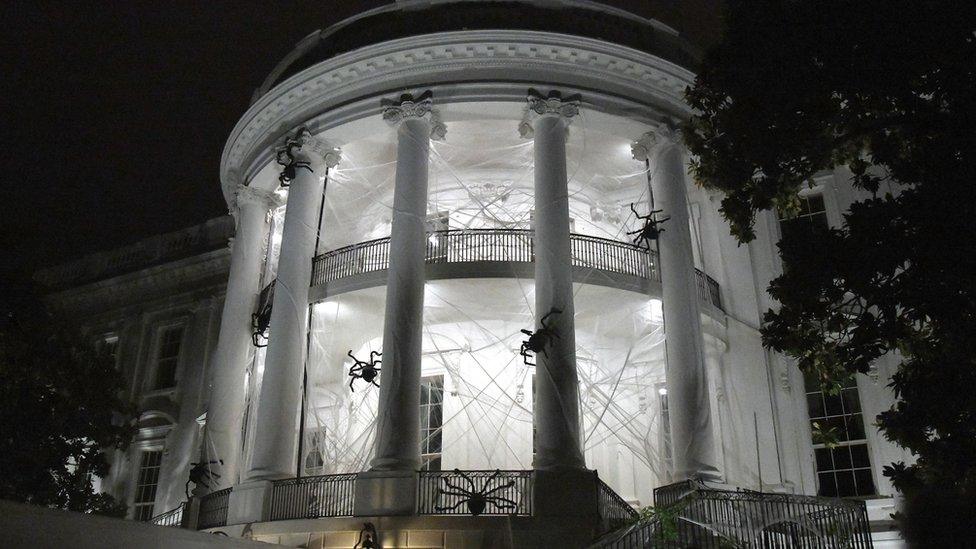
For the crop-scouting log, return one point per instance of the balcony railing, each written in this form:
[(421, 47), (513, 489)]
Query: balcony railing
[(213, 509), (173, 517), (614, 511), (475, 493), (501, 246), (696, 516), (313, 497)]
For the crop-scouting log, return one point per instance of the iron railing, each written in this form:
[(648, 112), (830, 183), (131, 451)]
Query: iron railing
[(313, 497), (691, 515), (501, 245), (213, 509), (614, 511), (173, 517), (450, 492)]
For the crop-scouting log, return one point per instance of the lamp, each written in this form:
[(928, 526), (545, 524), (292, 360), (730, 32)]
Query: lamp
[(368, 538)]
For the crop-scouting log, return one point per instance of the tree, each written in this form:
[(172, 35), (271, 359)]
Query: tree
[(60, 410), (887, 89)]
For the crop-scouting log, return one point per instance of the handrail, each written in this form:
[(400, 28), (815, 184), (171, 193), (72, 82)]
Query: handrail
[(173, 517), (456, 493), (501, 245), (213, 509), (614, 511), (313, 497)]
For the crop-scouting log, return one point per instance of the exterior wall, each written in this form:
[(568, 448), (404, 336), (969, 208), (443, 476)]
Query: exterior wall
[(177, 279)]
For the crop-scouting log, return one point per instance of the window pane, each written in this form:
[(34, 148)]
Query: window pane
[(827, 486), (823, 459), (845, 484), (833, 405), (859, 456), (865, 482), (815, 405), (855, 427), (842, 457), (852, 404)]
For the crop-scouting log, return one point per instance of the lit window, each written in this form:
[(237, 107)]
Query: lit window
[(146, 485), (845, 469), (431, 419), (167, 356), (662, 393)]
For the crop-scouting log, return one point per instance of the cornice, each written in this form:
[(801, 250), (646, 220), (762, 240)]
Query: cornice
[(185, 275), (429, 60)]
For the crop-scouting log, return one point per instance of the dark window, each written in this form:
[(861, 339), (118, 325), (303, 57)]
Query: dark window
[(431, 419), (168, 356), (844, 470), (662, 392), (146, 485), (812, 216)]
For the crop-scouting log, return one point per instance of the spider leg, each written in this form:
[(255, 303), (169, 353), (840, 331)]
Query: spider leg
[(526, 332), (374, 383), (350, 384), (502, 503), (550, 313), (508, 484), (447, 481), (456, 505)]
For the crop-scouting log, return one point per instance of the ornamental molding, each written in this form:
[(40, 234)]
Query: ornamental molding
[(421, 108), (630, 76), (552, 106), (247, 195), (665, 135), (315, 150)]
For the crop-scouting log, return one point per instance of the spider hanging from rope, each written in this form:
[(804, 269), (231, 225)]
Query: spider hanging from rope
[(477, 500), (200, 473), (650, 231), (366, 371), (286, 157), (538, 340)]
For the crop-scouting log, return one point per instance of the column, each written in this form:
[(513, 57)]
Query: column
[(557, 387), (276, 436), (397, 446), (692, 438), (222, 436)]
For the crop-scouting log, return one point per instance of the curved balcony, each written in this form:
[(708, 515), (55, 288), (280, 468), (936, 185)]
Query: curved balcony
[(497, 253)]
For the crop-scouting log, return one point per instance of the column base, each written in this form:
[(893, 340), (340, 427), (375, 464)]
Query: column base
[(250, 502), (566, 493), (386, 493)]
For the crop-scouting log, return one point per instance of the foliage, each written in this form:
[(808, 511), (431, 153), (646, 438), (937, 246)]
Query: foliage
[(888, 91), (666, 514), (60, 409)]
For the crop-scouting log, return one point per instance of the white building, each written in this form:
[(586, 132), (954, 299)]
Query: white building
[(461, 175)]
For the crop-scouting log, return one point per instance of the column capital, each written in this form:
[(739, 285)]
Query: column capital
[(540, 106), (420, 108), (247, 195), (307, 148), (664, 135)]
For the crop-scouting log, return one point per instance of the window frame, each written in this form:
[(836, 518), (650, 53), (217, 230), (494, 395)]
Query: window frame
[(159, 332), (137, 493), (426, 431)]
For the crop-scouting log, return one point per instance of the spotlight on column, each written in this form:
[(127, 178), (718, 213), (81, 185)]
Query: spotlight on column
[(662, 391), (368, 539)]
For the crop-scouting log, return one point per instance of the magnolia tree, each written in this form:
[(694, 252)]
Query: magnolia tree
[(887, 89), (61, 410)]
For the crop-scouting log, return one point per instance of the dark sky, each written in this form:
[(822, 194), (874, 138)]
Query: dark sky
[(115, 114)]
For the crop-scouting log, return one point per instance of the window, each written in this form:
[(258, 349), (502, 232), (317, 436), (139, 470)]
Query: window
[(812, 215), (109, 344), (167, 356), (146, 485), (845, 469), (431, 418)]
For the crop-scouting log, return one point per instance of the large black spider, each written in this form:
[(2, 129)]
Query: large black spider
[(650, 231), (286, 157), (200, 473), (366, 371), (539, 339), (477, 499)]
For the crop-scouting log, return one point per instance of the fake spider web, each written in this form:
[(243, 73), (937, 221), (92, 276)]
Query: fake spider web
[(481, 178)]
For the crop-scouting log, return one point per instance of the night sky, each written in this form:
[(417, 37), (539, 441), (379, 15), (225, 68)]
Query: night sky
[(115, 115)]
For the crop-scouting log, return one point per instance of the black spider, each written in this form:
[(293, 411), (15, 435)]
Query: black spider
[(539, 339), (650, 231), (286, 158), (477, 499), (366, 371), (200, 473)]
